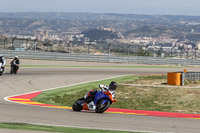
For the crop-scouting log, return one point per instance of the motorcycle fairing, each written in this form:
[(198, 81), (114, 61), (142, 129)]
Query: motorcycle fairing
[(85, 107), (99, 96)]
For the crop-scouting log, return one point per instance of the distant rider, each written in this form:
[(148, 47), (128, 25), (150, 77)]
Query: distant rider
[(2, 60), (89, 97), (15, 62)]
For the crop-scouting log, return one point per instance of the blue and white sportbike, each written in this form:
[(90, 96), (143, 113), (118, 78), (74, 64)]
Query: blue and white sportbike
[(102, 101)]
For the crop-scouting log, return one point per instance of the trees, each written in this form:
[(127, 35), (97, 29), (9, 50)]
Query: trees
[(96, 34), (142, 52)]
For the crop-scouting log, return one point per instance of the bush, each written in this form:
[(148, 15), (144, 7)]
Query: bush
[(196, 82), (186, 82)]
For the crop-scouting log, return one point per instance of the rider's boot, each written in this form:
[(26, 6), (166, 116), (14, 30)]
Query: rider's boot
[(87, 98)]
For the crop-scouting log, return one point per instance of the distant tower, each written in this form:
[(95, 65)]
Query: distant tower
[(46, 34)]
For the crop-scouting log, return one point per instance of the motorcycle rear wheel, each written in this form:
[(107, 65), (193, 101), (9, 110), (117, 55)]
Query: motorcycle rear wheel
[(76, 106)]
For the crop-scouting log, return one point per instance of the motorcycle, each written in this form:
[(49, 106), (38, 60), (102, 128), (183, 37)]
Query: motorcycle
[(14, 68), (1, 70), (102, 101)]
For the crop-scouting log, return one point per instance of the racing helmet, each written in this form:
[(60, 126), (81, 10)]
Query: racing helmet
[(1, 56), (113, 85), (16, 57)]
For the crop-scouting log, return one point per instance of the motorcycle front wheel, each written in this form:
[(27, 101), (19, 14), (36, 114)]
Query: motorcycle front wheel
[(101, 106), (15, 68), (11, 70)]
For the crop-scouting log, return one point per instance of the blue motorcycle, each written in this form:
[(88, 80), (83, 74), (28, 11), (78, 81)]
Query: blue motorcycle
[(102, 101)]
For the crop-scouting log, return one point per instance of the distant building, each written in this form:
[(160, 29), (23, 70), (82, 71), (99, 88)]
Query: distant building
[(198, 45), (107, 29), (46, 34)]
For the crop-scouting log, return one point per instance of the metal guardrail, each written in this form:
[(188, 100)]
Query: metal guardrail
[(192, 76), (98, 58), (189, 76)]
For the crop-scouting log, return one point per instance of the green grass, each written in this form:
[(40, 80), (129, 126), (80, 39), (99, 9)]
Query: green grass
[(151, 77), (99, 66), (30, 127), (76, 90), (131, 96)]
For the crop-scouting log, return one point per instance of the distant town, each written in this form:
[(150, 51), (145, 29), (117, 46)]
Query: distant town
[(118, 34)]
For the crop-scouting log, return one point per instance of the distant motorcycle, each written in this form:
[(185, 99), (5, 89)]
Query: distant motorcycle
[(1, 70), (102, 101), (14, 68)]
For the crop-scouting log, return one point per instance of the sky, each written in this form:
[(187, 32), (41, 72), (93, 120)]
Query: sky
[(155, 7)]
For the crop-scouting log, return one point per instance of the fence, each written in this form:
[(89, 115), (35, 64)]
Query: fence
[(98, 58), (192, 76)]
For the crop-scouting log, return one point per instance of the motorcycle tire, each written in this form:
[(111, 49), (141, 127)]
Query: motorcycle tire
[(76, 106), (11, 70), (15, 72), (99, 108), (15, 69)]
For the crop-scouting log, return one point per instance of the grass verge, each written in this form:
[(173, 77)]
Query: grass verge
[(134, 92), (31, 127), (76, 91)]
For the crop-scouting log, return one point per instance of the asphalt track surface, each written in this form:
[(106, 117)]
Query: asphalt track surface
[(35, 79)]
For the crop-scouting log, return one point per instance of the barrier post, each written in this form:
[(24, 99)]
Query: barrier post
[(173, 78), (183, 79)]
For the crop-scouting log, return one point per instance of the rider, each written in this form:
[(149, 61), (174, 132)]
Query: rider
[(89, 97), (2, 60), (16, 62)]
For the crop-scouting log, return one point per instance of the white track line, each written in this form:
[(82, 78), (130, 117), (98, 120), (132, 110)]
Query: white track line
[(6, 98)]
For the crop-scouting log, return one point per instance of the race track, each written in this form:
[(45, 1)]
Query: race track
[(35, 79)]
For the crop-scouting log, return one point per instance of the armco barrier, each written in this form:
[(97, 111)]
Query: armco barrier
[(192, 76), (97, 58)]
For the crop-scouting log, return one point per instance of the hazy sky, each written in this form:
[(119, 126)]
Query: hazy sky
[(171, 7)]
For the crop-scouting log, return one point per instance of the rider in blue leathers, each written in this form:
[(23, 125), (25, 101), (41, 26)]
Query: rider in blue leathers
[(89, 97)]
